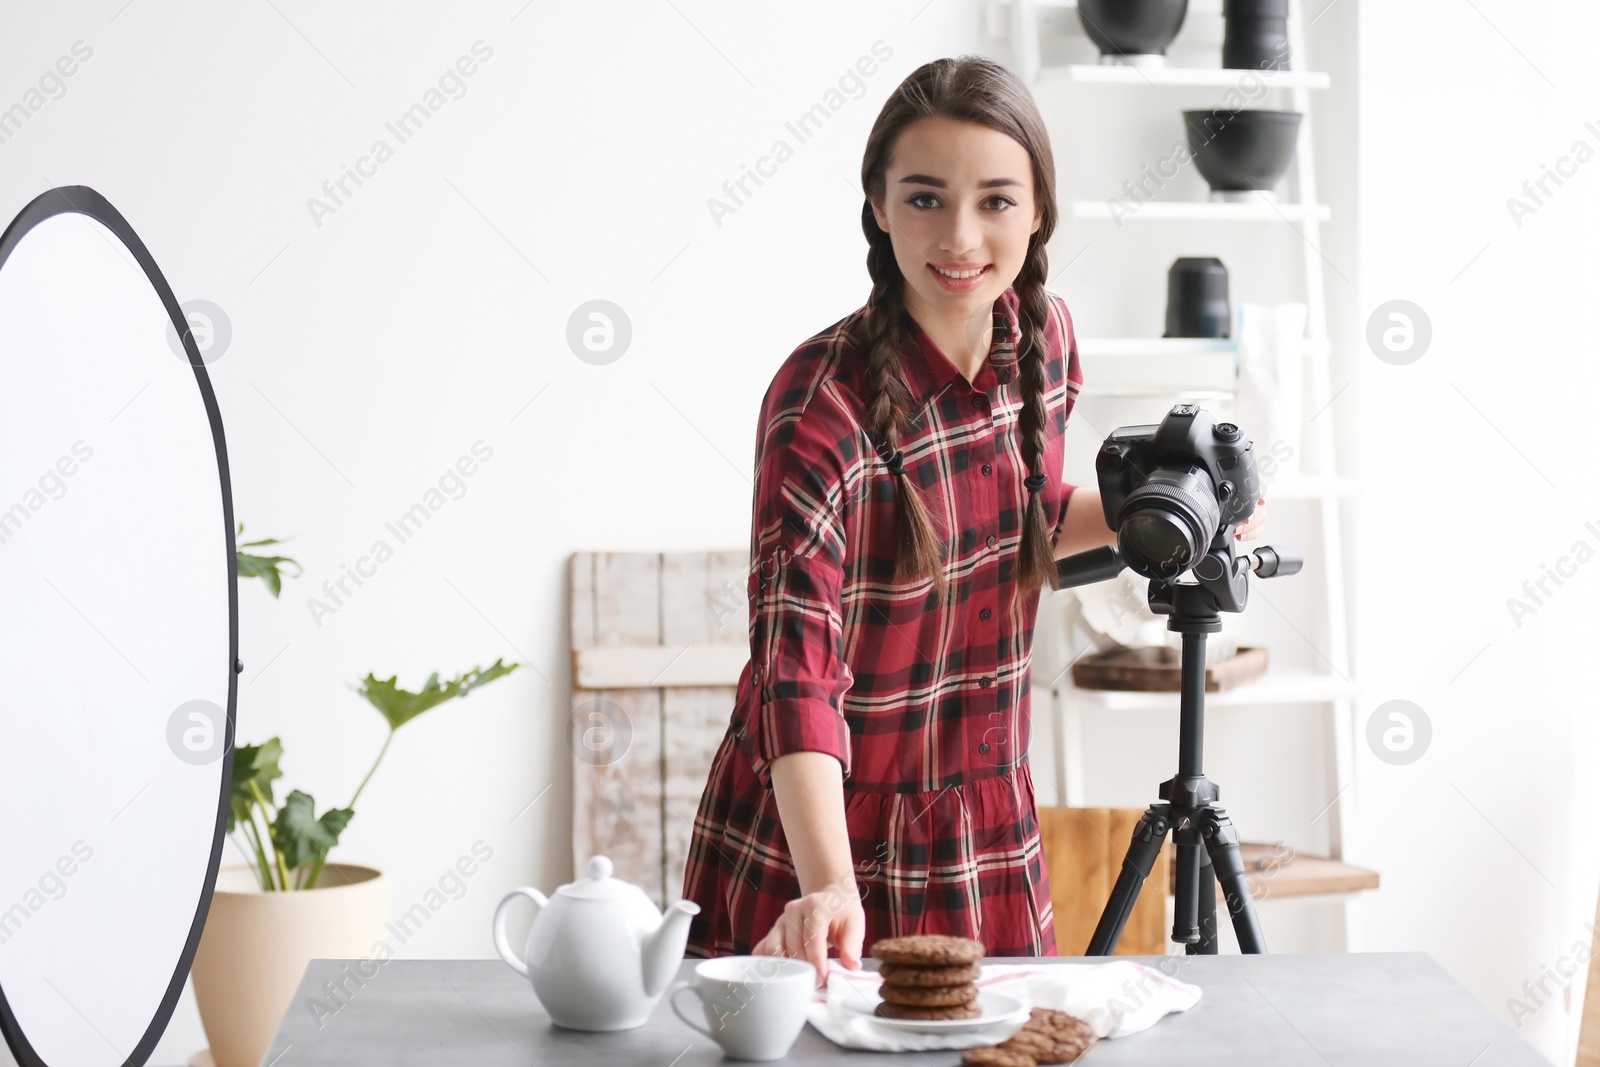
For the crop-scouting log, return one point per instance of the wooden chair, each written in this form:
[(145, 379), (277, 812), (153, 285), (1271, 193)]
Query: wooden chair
[(1083, 848), (1589, 1028)]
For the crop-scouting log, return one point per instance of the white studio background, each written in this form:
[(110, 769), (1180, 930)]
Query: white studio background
[(1478, 457), (375, 344)]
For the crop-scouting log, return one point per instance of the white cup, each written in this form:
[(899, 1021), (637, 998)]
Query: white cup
[(754, 1006)]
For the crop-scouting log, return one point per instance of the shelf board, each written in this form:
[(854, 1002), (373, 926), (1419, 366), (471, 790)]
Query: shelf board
[(1275, 687), (1157, 77), (1202, 211), (1158, 366), (1165, 366), (1196, 7), (1134, 347), (1311, 487), (1271, 876)]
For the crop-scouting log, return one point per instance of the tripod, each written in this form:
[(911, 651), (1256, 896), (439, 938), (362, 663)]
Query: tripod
[(1207, 843)]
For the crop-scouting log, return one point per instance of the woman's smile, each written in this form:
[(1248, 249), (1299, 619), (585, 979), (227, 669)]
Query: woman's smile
[(960, 277)]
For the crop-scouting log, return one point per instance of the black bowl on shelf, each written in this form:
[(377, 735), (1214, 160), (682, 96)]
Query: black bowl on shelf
[(1241, 151), (1132, 30), (1255, 34)]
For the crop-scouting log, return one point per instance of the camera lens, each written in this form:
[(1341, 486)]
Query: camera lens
[(1165, 525)]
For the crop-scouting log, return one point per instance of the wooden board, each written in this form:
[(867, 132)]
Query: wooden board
[(1083, 850), (667, 667), (645, 723), (1159, 668), (703, 604), (616, 734)]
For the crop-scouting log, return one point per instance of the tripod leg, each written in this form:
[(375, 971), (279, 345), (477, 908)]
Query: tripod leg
[(1222, 842), (1206, 896), (1185, 883), (1148, 836)]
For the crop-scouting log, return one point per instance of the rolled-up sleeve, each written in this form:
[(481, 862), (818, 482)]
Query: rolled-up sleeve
[(798, 671)]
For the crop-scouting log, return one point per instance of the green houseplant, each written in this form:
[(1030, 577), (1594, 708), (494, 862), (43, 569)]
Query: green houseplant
[(258, 937), (290, 851)]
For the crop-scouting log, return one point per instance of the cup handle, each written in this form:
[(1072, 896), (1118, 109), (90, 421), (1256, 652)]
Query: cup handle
[(672, 999), (502, 943)]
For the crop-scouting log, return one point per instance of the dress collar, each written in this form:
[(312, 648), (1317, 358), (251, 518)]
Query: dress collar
[(928, 370)]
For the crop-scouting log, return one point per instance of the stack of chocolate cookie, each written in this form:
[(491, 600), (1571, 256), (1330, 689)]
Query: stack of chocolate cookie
[(929, 977), (1049, 1036)]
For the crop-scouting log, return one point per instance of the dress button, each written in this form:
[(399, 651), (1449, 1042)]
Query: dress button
[(990, 541), (983, 749), (988, 469), (979, 401), (984, 614), (985, 682)]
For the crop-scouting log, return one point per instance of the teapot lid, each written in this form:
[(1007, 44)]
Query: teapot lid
[(600, 885)]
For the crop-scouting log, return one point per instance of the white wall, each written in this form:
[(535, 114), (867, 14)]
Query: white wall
[(1479, 457), (429, 312)]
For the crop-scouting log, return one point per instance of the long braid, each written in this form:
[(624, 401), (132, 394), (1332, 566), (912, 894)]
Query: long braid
[(920, 552), (1034, 558)]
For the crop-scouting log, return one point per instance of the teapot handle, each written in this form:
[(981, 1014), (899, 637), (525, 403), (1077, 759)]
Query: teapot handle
[(502, 943)]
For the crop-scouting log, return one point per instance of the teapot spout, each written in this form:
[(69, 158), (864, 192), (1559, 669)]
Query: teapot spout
[(662, 951)]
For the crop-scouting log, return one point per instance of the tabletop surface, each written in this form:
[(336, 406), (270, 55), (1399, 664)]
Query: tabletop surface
[(1326, 1010)]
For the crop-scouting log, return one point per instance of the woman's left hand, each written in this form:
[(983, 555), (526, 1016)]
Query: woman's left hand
[(1251, 528)]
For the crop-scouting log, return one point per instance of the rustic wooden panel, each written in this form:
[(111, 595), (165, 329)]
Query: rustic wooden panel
[(668, 667), (616, 734), (1084, 849), (704, 606)]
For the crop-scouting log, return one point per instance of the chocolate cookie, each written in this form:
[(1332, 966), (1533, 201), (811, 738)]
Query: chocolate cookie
[(890, 1010), (1033, 1042), (929, 950), (1054, 1018), (929, 996), (995, 1056), (1066, 1037), (909, 974)]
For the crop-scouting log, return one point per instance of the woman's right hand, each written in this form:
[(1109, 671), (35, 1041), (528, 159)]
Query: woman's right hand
[(815, 921)]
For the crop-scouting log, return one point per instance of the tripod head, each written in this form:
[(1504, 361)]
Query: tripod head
[(1222, 580)]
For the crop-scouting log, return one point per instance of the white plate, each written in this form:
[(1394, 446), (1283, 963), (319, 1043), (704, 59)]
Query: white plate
[(996, 1007)]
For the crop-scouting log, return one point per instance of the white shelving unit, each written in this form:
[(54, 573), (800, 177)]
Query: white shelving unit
[(1202, 211), (1216, 77), (1202, 369)]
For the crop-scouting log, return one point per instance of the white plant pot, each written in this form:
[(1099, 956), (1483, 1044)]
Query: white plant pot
[(256, 945)]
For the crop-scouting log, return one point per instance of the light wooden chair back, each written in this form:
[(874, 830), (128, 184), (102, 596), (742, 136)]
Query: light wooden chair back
[(1083, 848)]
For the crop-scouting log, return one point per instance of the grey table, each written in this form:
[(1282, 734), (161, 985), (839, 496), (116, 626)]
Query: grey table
[(1326, 1010)]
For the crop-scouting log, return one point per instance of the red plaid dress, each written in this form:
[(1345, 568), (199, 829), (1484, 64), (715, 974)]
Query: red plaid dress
[(926, 707)]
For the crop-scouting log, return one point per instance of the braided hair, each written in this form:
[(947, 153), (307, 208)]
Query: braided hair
[(978, 90)]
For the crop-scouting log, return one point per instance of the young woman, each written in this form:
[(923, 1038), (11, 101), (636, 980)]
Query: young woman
[(909, 504)]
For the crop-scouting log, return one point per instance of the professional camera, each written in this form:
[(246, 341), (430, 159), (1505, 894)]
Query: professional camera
[(1169, 489)]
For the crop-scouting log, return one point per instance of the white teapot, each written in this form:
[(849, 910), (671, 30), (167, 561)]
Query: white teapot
[(599, 954)]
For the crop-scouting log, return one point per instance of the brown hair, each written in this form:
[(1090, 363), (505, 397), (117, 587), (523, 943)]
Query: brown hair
[(968, 89)]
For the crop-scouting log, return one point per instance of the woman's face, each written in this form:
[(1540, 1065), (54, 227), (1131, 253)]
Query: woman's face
[(957, 196)]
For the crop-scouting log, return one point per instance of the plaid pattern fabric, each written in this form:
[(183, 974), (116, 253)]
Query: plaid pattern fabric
[(926, 705)]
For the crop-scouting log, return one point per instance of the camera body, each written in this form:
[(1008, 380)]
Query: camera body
[(1168, 489)]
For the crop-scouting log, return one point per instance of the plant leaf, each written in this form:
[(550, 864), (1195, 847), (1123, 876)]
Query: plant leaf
[(252, 762), (400, 706), (265, 567), (300, 836)]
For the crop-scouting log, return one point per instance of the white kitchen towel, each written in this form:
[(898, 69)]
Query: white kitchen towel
[(1116, 998)]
